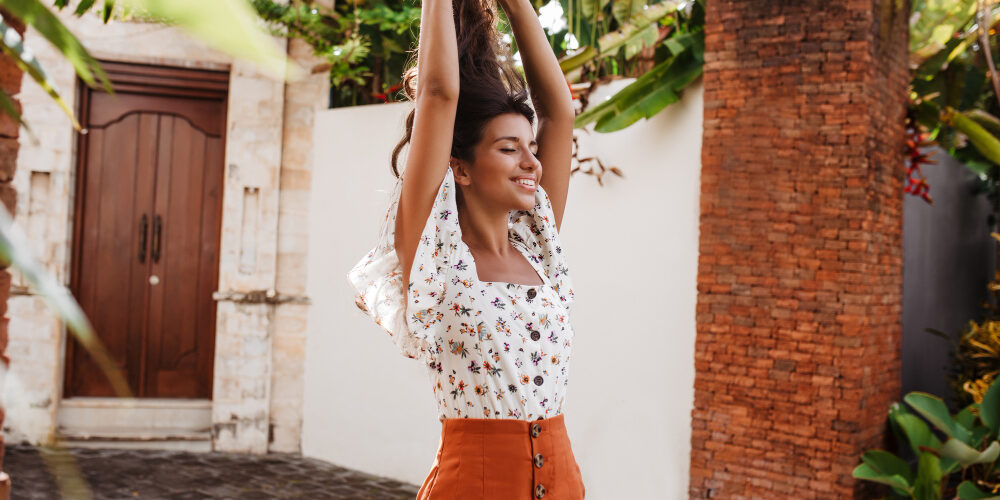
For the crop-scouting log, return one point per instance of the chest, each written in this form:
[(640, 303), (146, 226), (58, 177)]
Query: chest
[(514, 268)]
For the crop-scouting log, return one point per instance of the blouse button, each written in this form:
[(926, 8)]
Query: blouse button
[(531, 293), (539, 380), (536, 429), (539, 460), (535, 335), (539, 490)]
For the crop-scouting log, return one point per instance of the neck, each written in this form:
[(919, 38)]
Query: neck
[(484, 229)]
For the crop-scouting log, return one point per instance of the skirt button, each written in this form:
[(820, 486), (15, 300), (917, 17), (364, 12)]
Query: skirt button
[(539, 460), (539, 490), (536, 429)]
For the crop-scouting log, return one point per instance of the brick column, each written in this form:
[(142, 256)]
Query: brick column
[(10, 82), (800, 256)]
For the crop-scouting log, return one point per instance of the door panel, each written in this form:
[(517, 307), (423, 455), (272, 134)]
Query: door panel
[(183, 320), (113, 288), (148, 220)]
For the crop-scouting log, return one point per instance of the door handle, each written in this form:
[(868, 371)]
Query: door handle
[(157, 230), (143, 229)]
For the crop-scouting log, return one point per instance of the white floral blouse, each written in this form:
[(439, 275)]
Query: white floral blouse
[(493, 349)]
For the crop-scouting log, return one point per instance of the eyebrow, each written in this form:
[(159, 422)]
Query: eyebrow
[(515, 139)]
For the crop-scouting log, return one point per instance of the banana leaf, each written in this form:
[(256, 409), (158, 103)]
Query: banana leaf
[(644, 97), (635, 32)]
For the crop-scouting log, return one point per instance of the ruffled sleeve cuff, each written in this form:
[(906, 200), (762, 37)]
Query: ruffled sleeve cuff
[(410, 312)]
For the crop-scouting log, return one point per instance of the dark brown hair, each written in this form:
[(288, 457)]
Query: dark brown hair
[(489, 85)]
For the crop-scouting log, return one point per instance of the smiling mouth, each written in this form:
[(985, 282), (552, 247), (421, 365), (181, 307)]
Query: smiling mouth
[(525, 183)]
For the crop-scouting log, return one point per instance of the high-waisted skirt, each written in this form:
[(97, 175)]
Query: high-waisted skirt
[(503, 459)]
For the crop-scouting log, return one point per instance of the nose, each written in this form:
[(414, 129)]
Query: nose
[(532, 162)]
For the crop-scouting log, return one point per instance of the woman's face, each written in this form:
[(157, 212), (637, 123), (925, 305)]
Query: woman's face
[(506, 171)]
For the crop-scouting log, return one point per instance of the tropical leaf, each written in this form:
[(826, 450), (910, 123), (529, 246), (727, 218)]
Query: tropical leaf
[(927, 485), (637, 31), (623, 10), (989, 408), (917, 433), (15, 251), (8, 106), (969, 491), (230, 26), (967, 455), (13, 45), (644, 97), (886, 463), (83, 7), (935, 22), (38, 16), (985, 143), (646, 37), (868, 473), (934, 410)]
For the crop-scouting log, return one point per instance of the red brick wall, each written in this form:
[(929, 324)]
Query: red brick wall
[(10, 82), (800, 254)]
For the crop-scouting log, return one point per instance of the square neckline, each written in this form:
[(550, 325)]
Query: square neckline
[(517, 246)]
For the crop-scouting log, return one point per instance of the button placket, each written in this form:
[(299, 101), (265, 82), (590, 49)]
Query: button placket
[(539, 473)]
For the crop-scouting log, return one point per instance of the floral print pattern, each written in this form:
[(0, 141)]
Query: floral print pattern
[(492, 349)]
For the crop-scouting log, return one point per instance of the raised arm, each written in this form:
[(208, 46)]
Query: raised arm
[(551, 98), (433, 124)]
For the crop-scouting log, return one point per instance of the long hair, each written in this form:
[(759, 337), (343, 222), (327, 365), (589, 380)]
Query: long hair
[(489, 85)]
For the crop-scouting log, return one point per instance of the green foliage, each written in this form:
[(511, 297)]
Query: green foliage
[(675, 31), (975, 356), (969, 451), (365, 44), (952, 94)]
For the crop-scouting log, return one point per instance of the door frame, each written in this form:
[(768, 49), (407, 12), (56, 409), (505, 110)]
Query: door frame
[(149, 79)]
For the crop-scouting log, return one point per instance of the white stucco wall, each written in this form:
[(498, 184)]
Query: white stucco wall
[(632, 249)]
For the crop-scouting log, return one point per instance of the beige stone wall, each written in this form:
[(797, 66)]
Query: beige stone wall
[(259, 343)]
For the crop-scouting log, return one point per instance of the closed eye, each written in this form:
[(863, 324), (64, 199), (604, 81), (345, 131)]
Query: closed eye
[(508, 149)]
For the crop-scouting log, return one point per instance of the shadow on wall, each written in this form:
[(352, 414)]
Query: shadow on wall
[(948, 258)]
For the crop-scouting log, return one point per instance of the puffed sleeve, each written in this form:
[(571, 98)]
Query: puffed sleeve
[(536, 229), (412, 313)]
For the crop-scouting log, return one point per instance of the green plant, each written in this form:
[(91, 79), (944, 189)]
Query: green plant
[(364, 43), (664, 45), (966, 450)]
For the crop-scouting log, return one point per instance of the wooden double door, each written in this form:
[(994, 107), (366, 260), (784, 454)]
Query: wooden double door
[(147, 228)]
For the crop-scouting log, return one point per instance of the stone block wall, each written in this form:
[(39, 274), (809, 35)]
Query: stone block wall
[(800, 256)]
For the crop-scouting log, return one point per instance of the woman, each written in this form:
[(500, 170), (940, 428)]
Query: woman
[(472, 231)]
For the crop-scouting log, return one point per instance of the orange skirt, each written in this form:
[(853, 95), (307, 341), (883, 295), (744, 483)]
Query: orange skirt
[(503, 459)]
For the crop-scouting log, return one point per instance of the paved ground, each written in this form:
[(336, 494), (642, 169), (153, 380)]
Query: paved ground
[(177, 475)]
